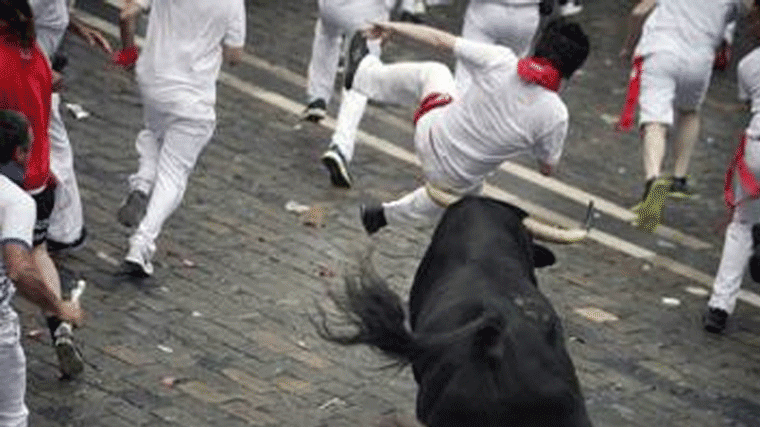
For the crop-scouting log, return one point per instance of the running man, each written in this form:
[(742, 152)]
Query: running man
[(674, 59), (511, 107), (177, 70), (742, 241)]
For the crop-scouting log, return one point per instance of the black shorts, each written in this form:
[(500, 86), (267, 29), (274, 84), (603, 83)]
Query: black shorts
[(45, 201)]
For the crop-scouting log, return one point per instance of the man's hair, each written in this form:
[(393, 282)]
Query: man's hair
[(20, 19), (14, 132), (565, 45)]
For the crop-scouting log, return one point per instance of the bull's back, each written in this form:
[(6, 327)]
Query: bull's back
[(478, 249)]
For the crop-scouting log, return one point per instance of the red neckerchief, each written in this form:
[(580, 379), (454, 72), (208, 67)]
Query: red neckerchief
[(746, 178), (631, 97), (539, 71)]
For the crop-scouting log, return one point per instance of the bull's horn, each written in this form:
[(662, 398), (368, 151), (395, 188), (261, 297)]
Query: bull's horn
[(552, 234)]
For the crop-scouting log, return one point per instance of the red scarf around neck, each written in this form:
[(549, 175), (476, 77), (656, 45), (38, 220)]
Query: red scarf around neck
[(539, 71)]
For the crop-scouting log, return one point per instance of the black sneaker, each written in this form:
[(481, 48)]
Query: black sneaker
[(315, 111), (680, 189), (414, 18), (337, 165), (357, 50), (373, 218), (754, 260), (132, 210), (54, 246), (714, 320)]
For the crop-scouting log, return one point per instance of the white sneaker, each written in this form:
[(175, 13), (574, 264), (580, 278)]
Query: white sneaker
[(570, 8), (137, 261), (69, 359)]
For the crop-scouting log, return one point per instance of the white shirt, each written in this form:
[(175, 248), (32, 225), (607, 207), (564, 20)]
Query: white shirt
[(18, 213), (51, 19), (688, 27), (179, 65), (498, 116), (749, 89)]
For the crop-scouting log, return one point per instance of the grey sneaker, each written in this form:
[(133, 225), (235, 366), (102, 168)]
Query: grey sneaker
[(69, 358), (137, 262), (337, 165), (132, 210)]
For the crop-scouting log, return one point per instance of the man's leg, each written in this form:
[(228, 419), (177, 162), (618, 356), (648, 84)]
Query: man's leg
[(341, 149), (654, 138), (148, 145), (70, 361), (13, 411), (323, 66), (404, 82), (414, 208), (183, 142), (66, 220)]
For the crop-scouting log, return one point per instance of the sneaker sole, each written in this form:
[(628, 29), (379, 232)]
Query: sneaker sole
[(338, 173), (314, 115), (70, 362), (135, 269), (650, 210)]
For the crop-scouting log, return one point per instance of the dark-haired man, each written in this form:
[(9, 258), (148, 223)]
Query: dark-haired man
[(511, 107), (17, 217)]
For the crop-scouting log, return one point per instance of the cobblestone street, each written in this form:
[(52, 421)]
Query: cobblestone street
[(221, 336)]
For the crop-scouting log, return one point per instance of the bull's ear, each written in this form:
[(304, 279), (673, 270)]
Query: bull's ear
[(542, 256)]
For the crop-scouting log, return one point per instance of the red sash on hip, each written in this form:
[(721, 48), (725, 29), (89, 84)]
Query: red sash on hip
[(540, 71), (625, 123), (747, 179), (434, 100)]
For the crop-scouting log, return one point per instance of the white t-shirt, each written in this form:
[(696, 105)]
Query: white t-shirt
[(498, 116), (18, 213), (179, 65), (749, 89), (51, 18), (688, 27)]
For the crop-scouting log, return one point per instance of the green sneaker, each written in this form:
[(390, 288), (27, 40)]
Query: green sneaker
[(650, 209)]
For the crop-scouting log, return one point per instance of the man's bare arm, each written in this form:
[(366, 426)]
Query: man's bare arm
[(29, 283), (232, 55), (424, 34), (636, 21)]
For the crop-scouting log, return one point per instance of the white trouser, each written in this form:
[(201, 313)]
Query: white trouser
[(335, 22), (168, 148), (513, 26), (13, 411), (66, 220), (408, 83), (737, 247)]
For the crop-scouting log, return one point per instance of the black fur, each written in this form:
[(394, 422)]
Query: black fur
[(486, 347)]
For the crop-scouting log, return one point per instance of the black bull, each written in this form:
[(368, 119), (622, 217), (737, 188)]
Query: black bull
[(486, 347)]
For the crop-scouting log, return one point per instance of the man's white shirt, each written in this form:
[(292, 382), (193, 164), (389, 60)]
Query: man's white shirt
[(688, 27), (17, 216), (179, 65), (749, 89), (497, 117)]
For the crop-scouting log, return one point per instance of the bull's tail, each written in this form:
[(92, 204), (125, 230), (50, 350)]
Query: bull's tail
[(377, 315)]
